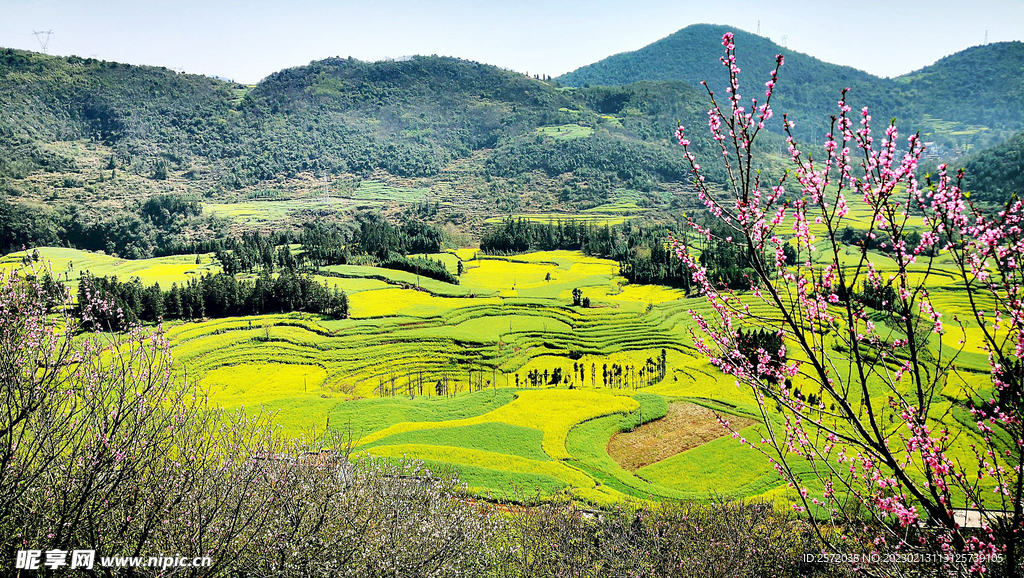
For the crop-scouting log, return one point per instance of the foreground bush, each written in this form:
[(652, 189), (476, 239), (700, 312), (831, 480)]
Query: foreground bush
[(561, 540)]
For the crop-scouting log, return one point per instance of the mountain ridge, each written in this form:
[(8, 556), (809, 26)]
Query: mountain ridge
[(927, 99), (489, 138)]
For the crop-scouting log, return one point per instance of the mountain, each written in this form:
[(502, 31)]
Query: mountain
[(100, 137), (86, 132), (692, 55), (981, 86), (973, 97)]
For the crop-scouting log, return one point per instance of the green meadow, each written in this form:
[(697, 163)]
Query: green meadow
[(268, 207), (565, 131)]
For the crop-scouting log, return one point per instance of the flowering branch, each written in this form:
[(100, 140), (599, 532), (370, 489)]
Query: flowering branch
[(859, 329)]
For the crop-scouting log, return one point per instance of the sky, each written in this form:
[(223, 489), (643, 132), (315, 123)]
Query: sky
[(245, 40)]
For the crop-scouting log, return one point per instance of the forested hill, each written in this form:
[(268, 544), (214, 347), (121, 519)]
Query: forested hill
[(994, 174), (141, 110), (82, 132), (975, 93), (410, 118), (982, 85)]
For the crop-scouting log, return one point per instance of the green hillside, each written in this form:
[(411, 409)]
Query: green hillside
[(141, 111), (982, 85), (84, 144), (413, 118), (970, 98), (998, 172)]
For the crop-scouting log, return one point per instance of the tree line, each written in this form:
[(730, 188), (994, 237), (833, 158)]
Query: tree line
[(376, 241), (164, 224), (108, 303), (642, 251)]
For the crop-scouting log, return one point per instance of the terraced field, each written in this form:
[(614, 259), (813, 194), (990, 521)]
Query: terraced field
[(621, 206), (266, 210), (565, 131), (70, 264), (499, 377)]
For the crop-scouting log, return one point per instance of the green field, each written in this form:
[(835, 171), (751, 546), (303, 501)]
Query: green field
[(565, 131), (266, 207), (69, 265), (621, 206), (439, 372)]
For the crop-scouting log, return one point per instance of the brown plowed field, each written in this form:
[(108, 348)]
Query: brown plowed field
[(686, 426)]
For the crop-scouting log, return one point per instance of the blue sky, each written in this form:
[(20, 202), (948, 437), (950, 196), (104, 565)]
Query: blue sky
[(246, 40)]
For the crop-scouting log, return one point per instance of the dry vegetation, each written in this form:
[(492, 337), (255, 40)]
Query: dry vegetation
[(686, 426)]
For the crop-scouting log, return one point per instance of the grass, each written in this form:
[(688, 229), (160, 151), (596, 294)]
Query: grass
[(402, 279), (268, 210), (70, 264), (721, 466), (554, 412), (624, 201), (291, 390), (495, 437), (366, 416), (565, 131), (683, 427)]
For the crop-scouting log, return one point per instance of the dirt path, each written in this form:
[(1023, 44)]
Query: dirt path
[(686, 426)]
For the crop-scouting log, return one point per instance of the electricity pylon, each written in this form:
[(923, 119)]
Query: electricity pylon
[(39, 36)]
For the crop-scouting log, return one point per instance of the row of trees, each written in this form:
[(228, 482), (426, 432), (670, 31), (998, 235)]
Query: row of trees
[(642, 251), (163, 224), (252, 251), (376, 241), (107, 303), (615, 375)]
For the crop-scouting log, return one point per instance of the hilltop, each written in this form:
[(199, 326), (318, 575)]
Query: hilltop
[(972, 98)]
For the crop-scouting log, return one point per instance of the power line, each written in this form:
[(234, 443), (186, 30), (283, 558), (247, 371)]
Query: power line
[(39, 36)]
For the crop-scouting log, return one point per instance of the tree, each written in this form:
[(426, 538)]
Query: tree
[(878, 448), (160, 170), (577, 296)]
